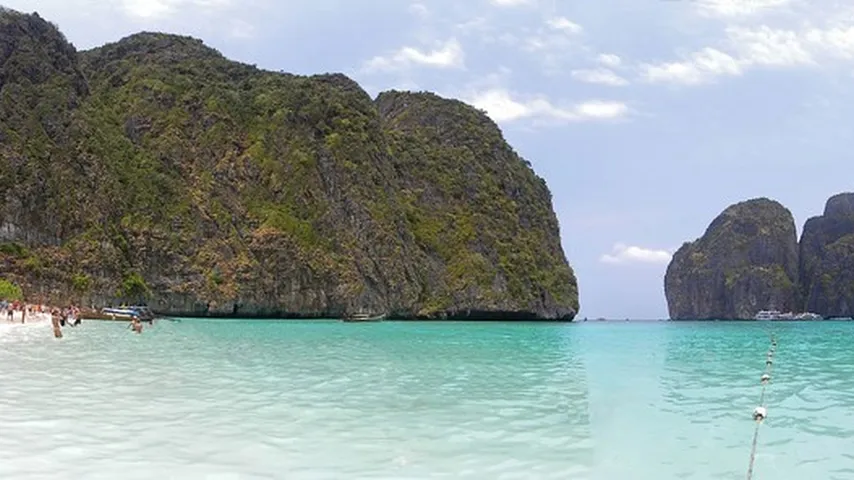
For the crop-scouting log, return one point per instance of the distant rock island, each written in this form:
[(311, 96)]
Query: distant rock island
[(827, 259), (155, 170), (750, 260)]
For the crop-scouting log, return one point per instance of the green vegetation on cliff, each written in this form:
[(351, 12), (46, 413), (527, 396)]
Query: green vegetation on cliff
[(154, 169), (9, 291), (746, 261), (487, 222)]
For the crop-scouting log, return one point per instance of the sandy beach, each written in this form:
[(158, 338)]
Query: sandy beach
[(35, 317), (33, 320)]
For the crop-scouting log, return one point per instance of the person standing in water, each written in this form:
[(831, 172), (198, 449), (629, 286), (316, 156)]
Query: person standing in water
[(135, 324), (54, 317)]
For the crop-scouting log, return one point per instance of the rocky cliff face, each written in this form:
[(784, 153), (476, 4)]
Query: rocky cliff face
[(746, 261), (155, 169), (827, 259)]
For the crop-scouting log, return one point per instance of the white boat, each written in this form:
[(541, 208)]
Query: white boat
[(364, 317), (127, 313), (768, 315), (776, 315)]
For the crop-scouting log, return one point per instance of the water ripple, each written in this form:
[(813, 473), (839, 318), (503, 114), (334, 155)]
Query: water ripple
[(302, 400)]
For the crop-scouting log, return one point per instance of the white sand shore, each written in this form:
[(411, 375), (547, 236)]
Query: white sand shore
[(37, 326), (30, 318)]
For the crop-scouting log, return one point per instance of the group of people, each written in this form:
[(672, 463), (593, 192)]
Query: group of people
[(71, 316), (66, 316), (59, 317), (9, 309)]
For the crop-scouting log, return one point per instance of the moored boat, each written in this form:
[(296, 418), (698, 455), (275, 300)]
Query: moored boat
[(767, 315), (776, 315), (363, 317), (120, 313)]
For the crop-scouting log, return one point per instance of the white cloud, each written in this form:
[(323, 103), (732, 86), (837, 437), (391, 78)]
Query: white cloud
[(159, 8), (609, 60), (699, 68), (419, 10), (242, 29), (500, 105), (475, 25), (771, 47), (602, 110), (761, 46), (555, 41), (511, 3), (563, 24), (450, 55), (147, 8), (623, 254), (836, 42), (601, 76), (739, 8)]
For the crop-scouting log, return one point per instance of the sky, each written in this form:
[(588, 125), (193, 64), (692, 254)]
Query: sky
[(645, 117)]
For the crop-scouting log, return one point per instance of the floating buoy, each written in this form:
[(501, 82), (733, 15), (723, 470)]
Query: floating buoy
[(765, 378), (759, 414), (769, 361)]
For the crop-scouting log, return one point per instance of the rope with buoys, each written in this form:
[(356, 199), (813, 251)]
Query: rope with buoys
[(760, 412)]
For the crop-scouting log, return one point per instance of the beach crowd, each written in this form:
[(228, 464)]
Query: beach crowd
[(59, 317)]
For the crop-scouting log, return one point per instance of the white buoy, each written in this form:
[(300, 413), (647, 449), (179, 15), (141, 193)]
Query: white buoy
[(759, 413), (765, 378)]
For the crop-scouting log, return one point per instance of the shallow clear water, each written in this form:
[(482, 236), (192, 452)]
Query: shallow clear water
[(204, 399)]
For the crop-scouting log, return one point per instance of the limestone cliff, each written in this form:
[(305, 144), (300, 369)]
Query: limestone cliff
[(827, 259), (746, 261), (154, 169)]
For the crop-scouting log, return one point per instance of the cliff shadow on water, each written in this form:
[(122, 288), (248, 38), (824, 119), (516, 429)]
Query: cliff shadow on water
[(154, 169)]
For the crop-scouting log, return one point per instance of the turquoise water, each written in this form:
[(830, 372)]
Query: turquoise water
[(202, 399)]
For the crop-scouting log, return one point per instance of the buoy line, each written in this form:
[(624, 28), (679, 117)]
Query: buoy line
[(761, 412)]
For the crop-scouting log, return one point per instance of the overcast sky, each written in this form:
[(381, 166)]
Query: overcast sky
[(645, 117)]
